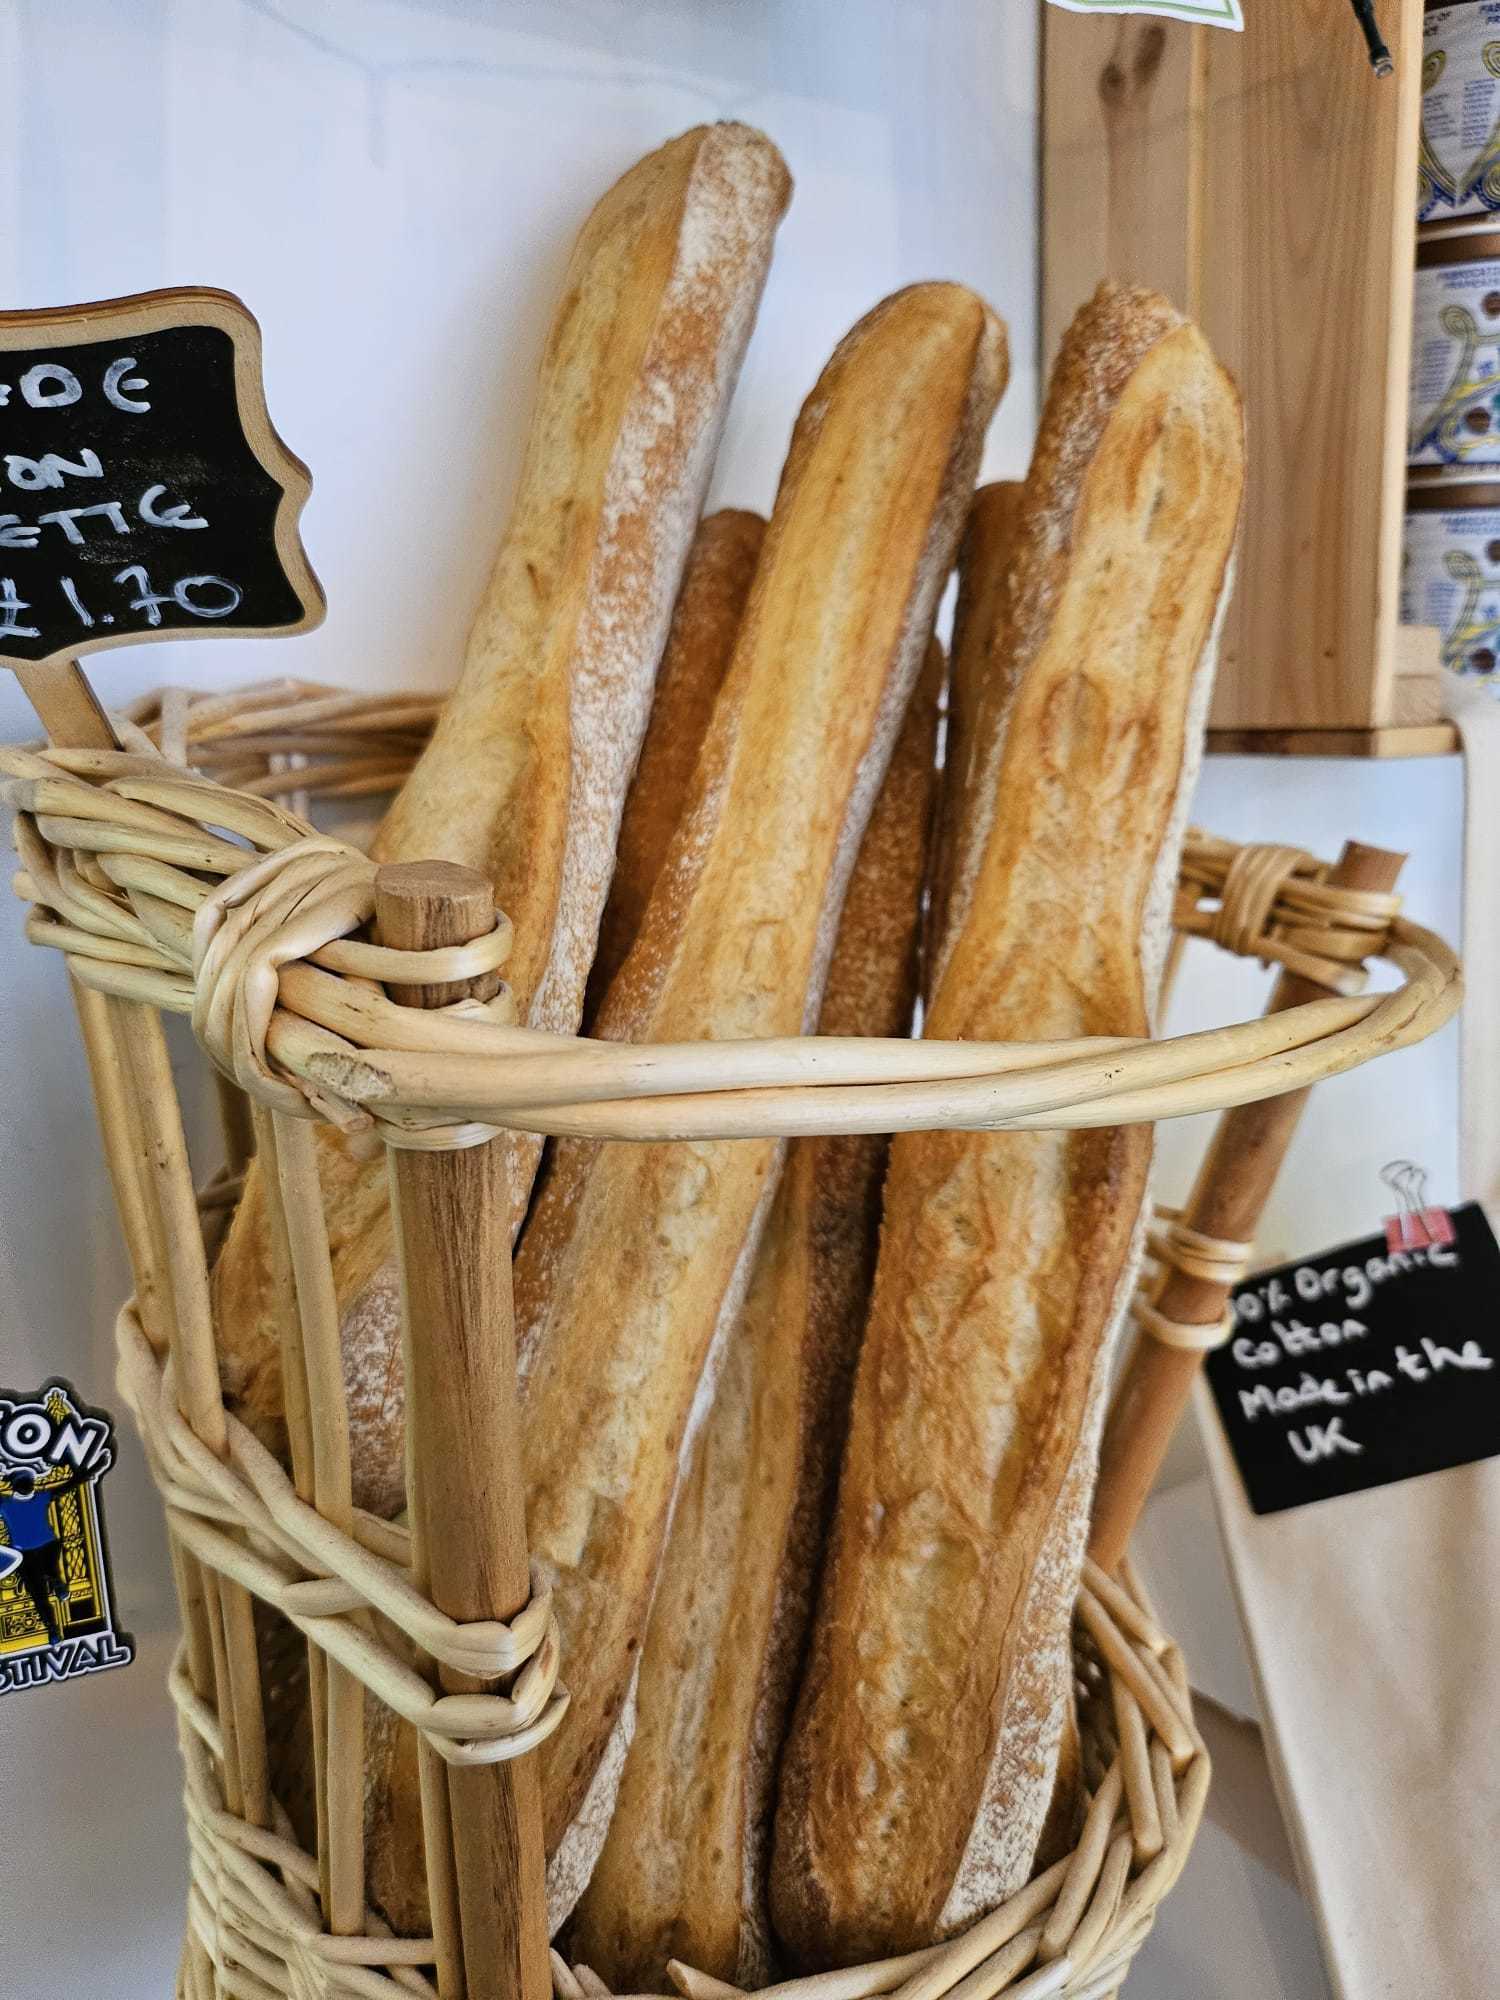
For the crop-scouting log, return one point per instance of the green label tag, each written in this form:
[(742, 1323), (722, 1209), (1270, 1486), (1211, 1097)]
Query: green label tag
[(1217, 13)]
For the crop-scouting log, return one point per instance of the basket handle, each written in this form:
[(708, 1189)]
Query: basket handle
[(466, 1493), (1233, 1185)]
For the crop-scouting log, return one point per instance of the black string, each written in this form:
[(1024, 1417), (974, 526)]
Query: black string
[(1369, 27)]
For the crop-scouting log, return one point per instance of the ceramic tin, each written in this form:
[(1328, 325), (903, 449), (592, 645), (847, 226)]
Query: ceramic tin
[(1455, 352), (1458, 161), (1450, 570)]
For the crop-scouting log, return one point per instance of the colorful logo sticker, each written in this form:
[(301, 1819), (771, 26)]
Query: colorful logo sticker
[(56, 1595)]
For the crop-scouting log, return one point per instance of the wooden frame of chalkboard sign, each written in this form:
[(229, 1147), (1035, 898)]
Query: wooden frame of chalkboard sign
[(144, 493)]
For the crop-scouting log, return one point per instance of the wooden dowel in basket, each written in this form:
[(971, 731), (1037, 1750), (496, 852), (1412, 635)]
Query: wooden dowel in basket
[(318, 1432), (467, 1501), (1233, 1185)]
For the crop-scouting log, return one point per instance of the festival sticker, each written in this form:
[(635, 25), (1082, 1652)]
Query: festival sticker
[(57, 1615)]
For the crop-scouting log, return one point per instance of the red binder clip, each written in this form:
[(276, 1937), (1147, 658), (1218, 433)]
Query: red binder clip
[(1415, 1225)]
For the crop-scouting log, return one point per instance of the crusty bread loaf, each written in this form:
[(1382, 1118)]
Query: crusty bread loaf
[(527, 769), (979, 690), (974, 670), (921, 1761), (699, 647), (682, 1873), (634, 1255)]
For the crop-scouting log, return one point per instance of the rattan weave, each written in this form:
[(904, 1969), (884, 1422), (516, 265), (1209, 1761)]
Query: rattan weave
[(177, 877)]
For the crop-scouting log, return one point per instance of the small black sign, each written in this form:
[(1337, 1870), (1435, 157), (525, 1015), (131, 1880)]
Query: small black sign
[(143, 492), (1363, 1366)]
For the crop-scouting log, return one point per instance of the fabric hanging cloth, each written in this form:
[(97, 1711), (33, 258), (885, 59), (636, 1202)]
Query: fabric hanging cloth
[(1371, 1620)]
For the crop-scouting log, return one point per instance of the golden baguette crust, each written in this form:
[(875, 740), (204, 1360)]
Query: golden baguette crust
[(635, 1255), (974, 671), (682, 1874), (920, 1765), (526, 772), (699, 647)]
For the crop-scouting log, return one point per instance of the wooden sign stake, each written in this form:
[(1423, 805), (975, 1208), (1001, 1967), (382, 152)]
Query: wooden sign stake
[(70, 712), (1233, 1186), (468, 1514)]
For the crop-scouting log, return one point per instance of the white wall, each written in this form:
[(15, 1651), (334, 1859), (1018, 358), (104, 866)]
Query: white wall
[(392, 186), (393, 189), (1405, 1107)]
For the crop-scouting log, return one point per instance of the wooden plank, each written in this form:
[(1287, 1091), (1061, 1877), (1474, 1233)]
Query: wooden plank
[(1122, 108), (1432, 739), (1416, 701), (1264, 182), (1309, 234), (1417, 686)]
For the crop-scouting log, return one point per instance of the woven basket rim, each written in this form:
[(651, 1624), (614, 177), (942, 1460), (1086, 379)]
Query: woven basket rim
[(115, 845)]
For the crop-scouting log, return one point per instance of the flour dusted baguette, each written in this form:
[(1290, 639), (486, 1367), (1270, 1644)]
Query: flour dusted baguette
[(921, 1761), (699, 646), (984, 565), (634, 1255), (683, 1870), (527, 769)]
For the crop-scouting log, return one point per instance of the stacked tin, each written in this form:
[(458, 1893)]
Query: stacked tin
[(1451, 561)]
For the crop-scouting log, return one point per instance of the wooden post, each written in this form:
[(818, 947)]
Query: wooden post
[(70, 711), (467, 1501), (1233, 1185)]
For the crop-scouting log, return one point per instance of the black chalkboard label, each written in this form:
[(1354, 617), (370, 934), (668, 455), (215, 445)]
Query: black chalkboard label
[(1363, 1366), (143, 492)]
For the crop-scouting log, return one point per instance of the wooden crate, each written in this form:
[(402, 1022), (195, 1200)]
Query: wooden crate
[(1265, 182)]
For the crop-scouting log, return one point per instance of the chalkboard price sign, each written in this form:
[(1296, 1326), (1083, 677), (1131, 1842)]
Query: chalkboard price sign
[(1363, 1366), (143, 492)]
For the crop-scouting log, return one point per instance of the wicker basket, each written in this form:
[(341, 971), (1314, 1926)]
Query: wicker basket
[(174, 880)]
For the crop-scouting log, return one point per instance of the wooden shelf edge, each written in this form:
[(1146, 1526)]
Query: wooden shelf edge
[(1423, 739)]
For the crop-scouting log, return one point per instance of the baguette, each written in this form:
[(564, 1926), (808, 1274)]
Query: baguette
[(978, 690), (922, 1757), (984, 564), (634, 1256), (699, 647), (527, 769), (682, 1874)]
